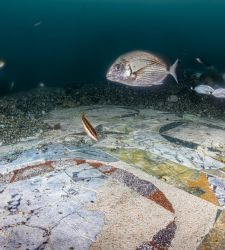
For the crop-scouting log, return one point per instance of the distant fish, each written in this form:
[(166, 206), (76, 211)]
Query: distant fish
[(202, 61), (198, 74), (223, 76), (35, 25), (12, 84), (41, 85), (2, 64), (203, 89), (219, 93), (139, 68), (89, 129)]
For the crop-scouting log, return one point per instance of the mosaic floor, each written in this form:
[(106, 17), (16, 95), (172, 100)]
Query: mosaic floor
[(154, 180)]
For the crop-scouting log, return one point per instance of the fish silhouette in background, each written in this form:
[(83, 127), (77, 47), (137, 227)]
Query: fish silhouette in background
[(202, 61), (2, 64), (35, 26)]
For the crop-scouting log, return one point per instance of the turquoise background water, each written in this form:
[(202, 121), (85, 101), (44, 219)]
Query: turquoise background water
[(78, 39)]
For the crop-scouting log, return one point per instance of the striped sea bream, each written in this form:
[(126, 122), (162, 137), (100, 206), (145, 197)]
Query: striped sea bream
[(140, 68)]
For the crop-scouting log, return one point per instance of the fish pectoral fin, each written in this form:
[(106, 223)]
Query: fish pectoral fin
[(140, 71), (149, 75)]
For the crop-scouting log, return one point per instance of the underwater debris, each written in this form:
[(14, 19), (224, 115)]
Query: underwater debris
[(89, 129), (139, 68)]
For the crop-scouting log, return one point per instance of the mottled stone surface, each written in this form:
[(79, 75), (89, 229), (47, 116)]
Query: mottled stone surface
[(196, 182), (51, 205), (215, 240), (60, 190), (161, 240), (143, 187)]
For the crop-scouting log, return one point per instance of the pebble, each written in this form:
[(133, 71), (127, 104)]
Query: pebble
[(173, 98)]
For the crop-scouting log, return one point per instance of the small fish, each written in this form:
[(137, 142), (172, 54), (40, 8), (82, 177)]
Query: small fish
[(12, 84), (2, 64), (89, 129), (37, 24), (203, 89), (202, 61), (198, 74), (219, 93), (223, 76), (41, 85), (139, 68)]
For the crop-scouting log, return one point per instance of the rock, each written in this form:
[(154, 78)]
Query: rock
[(172, 98)]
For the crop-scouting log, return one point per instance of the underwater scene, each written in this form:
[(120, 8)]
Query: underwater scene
[(112, 125)]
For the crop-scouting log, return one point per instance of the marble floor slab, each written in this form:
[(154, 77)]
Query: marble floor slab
[(154, 180)]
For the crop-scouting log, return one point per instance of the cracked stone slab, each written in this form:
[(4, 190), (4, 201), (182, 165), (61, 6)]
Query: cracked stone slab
[(207, 185), (48, 212), (51, 209), (144, 129), (41, 189), (176, 138), (83, 204), (53, 152), (215, 239)]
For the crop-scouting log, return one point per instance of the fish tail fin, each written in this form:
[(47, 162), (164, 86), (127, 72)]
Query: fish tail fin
[(172, 70)]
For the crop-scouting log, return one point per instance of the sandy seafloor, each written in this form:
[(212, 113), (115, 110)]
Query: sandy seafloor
[(154, 180)]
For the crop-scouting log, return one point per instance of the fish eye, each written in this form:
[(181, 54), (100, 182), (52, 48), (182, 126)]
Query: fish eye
[(117, 66)]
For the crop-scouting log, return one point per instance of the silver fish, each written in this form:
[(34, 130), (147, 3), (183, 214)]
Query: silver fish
[(202, 61), (203, 89), (41, 85), (37, 24), (223, 76), (219, 93), (139, 68), (2, 64), (12, 84)]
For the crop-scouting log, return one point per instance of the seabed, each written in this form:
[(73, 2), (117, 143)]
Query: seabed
[(154, 180)]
